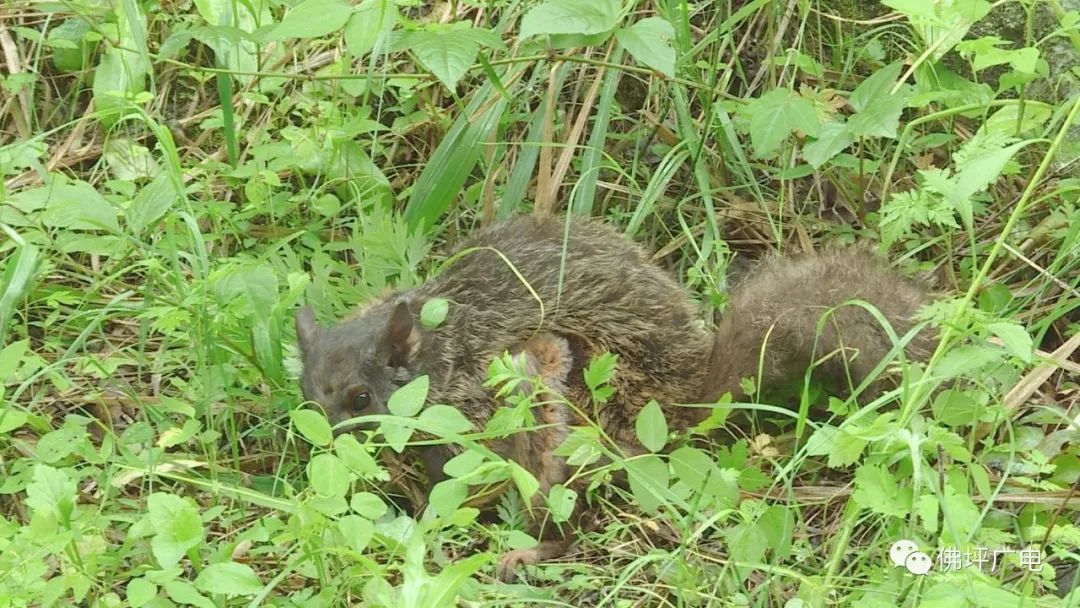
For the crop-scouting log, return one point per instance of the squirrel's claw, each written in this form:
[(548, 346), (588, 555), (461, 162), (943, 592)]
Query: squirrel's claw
[(510, 561)]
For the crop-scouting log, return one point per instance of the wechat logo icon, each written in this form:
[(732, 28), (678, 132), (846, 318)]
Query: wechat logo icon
[(906, 554)]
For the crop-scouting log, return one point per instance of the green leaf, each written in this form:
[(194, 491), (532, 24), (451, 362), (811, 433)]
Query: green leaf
[(746, 545), (328, 475), (121, 73), (775, 115), (526, 483), (369, 27), (598, 374), (358, 459), (1016, 339), (433, 312), (140, 591), (356, 530), (445, 420), (51, 491), (833, 139), (74, 206), (230, 578), (570, 17), (697, 471), (186, 593), (447, 496), (313, 426), (649, 41), (875, 87), (150, 203), (396, 435), (367, 505), (254, 284), (20, 269), (561, 501), (651, 427), (941, 24), (177, 527), (648, 477), (409, 399), (10, 358), (954, 407), (877, 489), (312, 19), (448, 51), (444, 588)]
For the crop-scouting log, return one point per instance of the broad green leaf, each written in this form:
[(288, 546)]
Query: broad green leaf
[(775, 115), (833, 139), (445, 420), (328, 475), (699, 472), (356, 531), (252, 287), (1016, 339), (433, 312), (409, 399), (570, 17), (649, 41), (447, 496), (651, 427), (979, 172), (965, 359), (367, 505), (448, 51), (312, 19), (941, 24), (369, 27), (74, 206), (150, 203), (561, 501), (953, 407), (51, 491), (229, 578), (177, 527), (397, 435), (313, 426), (10, 357), (746, 545), (121, 73), (140, 591), (186, 593), (875, 87), (444, 589), (70, 47), (777, 524), (648, 477), (526, 483)]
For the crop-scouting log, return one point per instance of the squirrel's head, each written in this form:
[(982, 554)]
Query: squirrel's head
[(352, 369)]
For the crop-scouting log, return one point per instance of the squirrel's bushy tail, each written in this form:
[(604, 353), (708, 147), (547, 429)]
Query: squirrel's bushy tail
[(770, 330)]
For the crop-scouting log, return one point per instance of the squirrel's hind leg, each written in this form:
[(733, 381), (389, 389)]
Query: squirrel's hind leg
[(549, 357)]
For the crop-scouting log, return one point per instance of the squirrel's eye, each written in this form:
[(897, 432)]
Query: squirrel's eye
[(361, 401)]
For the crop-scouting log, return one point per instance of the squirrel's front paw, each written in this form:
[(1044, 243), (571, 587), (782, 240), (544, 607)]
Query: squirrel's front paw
[(512, 560)]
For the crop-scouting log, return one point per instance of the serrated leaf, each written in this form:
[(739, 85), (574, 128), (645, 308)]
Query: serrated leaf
[(775, 115), (433, 312), (651, 427), (328, 475), (312, 19), (229, 578), (877, 489), (649, 41), (51, 491), (177, 527), (409, 399), (313, 426), (570, 17)]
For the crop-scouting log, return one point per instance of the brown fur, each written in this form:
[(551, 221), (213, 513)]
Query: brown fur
[(776, 309), (600, 294)]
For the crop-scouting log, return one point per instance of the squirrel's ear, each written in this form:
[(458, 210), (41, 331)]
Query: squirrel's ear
[(306, 328), (401, 340)]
